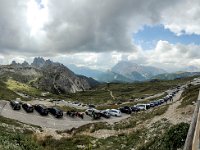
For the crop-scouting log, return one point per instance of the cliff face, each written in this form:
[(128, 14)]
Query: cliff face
[(47, 75), (61, 80)]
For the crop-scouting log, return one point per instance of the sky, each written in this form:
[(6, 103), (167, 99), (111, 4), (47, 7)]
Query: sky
[(98, 34)]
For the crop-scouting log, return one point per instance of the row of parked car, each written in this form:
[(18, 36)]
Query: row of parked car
[(92, 112), (41, 109), (97, 114)]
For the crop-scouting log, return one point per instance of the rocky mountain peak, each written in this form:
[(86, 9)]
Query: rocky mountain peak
[(131, 70), (48, 76), (25, 64), (38, 62), (13, 62)]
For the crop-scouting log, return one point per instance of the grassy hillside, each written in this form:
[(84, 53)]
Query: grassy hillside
[(126, 91), (14, 137), (22, 88), (161, 133), (6, 93), (190, 95)]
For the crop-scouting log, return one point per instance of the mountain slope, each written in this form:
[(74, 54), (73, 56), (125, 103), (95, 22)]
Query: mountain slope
[(110, 76), (85, 71), (48, 76)]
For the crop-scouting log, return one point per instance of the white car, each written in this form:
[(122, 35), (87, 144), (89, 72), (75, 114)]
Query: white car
[(141, 106), (91, 111), (115, 112)]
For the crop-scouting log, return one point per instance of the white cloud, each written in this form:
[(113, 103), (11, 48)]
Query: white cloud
[(173, 56), (183, 18), (96, 33)]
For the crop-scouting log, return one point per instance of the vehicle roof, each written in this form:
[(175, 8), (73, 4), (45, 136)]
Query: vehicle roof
[(115, 110), (93, 109), (41, 105), (141, 104), (29, 104), (57, 109)]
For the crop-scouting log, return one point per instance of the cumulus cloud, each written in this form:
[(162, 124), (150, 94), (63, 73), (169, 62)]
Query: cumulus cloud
[(96, 33), (99, 25), (74, 26), (173, 56), (183, 18)]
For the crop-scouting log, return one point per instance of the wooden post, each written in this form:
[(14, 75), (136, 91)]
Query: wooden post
[(192, 140)]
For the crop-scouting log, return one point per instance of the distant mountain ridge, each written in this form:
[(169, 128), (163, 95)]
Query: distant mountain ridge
[(57, 78), (177, 75), (123, 71), (191, 69), (127, 72), (110, 76), (128, 68), (85, 71)]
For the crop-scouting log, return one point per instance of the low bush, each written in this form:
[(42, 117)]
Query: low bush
[(172, 139)]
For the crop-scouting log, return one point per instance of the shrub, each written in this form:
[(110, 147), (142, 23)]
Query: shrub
[(172, 139)]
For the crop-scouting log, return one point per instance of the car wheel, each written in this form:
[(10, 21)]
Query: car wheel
[(115, 115), (86, 113)]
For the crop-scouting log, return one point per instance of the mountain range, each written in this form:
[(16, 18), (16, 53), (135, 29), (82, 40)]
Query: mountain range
[(58, 78), (176, 75), (47, 75), (123, 71), (127, 72)]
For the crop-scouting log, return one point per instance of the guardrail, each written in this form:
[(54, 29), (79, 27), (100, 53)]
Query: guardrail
[(192, 141)]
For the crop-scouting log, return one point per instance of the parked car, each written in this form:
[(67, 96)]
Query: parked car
[(56, 112), (41, 109), (161, 101), (71, 113), (28, 107), (94, 113), (15, 105), (105, 114), (172, 94), (135, 109), (155, 103), (114, 112), (141, 106), (125, 109), (148, 106), (152, 104), (91, 106)]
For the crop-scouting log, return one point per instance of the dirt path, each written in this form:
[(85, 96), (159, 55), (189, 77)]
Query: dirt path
[(111, 94), (174, 114)]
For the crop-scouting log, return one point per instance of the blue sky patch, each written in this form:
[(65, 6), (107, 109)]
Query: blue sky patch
[(148, 36)]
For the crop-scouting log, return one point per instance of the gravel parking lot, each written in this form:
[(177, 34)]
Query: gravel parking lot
[(49, 121)]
